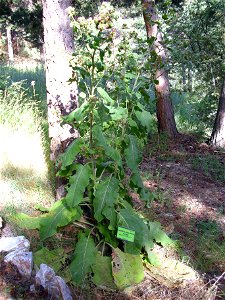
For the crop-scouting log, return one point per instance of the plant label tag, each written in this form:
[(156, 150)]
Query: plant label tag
[(125, 234)]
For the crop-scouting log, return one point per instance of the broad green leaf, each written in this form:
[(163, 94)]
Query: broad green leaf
[(106, 195), (136, 180), (132, 154), (84, 257), (78, 184), (132, 123), (130, 75), (159, 235), (102, 269), (118, 113), (127, 269), (129, 247), (129, 219), (109, 236), (110, 214), (153, 259), (144, 117), (41, 208), (55, 258), (25, 221), (78, 114), (100, 140), (60, 216), (71, 152), (105, 95)]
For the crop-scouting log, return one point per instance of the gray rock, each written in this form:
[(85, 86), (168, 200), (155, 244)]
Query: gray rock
[(8, 244), (55, 285), (22, 259)]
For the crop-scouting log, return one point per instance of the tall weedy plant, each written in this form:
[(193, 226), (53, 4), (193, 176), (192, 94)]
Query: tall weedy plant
[(102, 165)]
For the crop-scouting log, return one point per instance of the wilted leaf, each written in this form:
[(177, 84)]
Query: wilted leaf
[(127, 269)]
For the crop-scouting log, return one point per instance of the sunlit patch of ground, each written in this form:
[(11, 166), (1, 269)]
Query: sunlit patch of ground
[(23, 171)]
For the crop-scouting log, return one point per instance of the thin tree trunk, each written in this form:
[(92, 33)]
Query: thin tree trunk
[(164, 108), (10, 45), (61, 97), (190, 78), (184, 78), (218, 134)]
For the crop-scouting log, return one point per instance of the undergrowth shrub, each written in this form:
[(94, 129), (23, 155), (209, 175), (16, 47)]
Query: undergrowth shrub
[(101, 166)]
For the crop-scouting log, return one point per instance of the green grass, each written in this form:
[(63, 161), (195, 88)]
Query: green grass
[(24, 151), (34, 74), (210, 253)]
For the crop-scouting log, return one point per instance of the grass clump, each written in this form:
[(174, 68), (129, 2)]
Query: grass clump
[(24, 167), (210, 254)]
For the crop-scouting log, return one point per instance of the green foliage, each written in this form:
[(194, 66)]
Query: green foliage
[(102, 269), (195, 29), (113, 124), (84, 257)]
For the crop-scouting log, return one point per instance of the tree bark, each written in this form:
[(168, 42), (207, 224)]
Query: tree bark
[(164, 108), (9, 43), (218, 134), (61, 97)]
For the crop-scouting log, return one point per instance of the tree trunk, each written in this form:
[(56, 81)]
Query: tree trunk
[(164, 108), (218, 134), (190, 78), (61, 97), (10, 46)]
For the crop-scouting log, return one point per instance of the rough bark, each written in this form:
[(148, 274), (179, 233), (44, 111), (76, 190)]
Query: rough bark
[(9, 43), (164, 108), (61, 97), (218, 134)]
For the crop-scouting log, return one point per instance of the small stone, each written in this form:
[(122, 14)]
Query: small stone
[(8, 244), (54, 285), (22, 259), (32, 288)]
